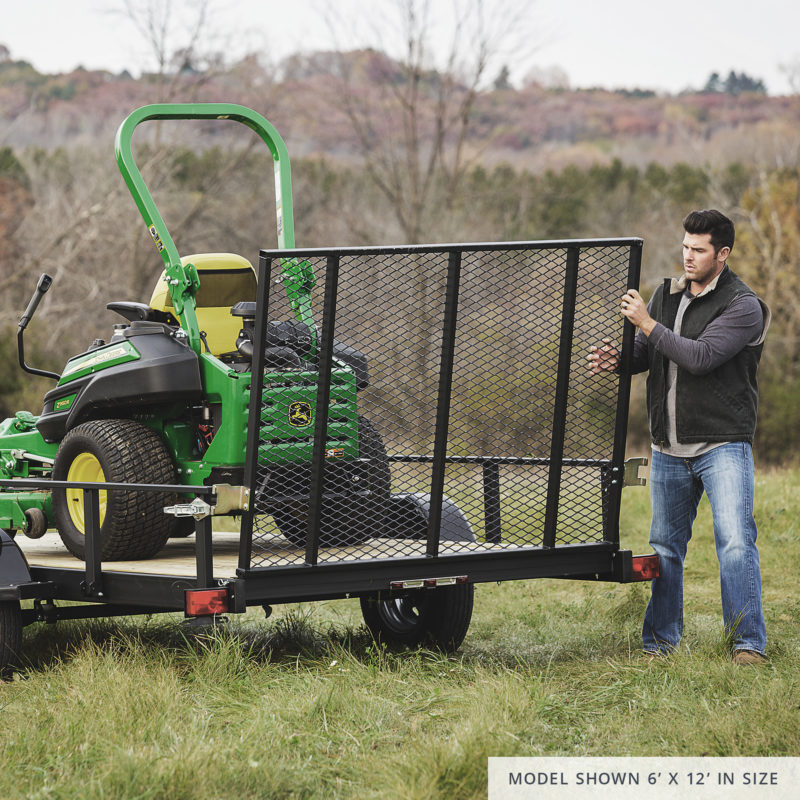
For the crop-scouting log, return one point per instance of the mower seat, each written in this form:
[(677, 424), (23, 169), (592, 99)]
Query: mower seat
[(225, 279)]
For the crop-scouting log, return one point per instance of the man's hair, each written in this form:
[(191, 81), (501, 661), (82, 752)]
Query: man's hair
[(713, 222)]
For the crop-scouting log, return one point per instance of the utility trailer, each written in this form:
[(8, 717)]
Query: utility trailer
[(414, 420), (497, 456)]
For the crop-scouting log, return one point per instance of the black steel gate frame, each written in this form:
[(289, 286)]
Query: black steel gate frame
[(602, 560)]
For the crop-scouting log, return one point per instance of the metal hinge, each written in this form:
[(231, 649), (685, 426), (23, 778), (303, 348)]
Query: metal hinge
[(231, 498), (631, 477)]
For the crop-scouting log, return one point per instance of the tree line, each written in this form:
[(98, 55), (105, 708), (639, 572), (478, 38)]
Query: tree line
[(68, 213)]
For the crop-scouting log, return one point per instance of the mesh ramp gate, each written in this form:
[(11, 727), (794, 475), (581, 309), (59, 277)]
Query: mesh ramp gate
[(476, 426)]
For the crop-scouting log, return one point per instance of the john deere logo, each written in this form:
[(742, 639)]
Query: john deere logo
[(64, 403), (300, 414)]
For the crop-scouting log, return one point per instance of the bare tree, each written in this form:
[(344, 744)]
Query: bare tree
[(791, 69), (412, 114), (769, 249), (177, 36)]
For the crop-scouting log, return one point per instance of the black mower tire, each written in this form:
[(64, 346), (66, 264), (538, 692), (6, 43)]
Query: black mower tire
[(10, 636), (292, 523), (183, 528), (135, 525), (437, 618), (361, 518), (355, 520)]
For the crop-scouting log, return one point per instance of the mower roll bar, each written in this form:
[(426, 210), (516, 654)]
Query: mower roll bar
[(183, 280)]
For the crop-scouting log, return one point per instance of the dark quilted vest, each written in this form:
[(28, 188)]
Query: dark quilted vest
[(720, 406)]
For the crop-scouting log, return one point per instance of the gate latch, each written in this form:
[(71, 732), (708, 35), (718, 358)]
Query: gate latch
[(228, 498), (198, 509), (631, 477)]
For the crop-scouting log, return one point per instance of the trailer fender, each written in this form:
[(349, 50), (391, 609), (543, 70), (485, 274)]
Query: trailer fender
[(13, 567), (409, 516)]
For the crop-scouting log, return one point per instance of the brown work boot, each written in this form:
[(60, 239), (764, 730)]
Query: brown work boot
[(748, 658)]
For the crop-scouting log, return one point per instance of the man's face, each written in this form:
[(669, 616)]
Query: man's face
[(701, 265)]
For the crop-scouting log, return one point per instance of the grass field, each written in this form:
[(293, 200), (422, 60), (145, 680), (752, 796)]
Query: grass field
[(305, 705)]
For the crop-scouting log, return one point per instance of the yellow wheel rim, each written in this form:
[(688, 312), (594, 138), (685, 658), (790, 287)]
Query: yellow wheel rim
[(86, 469)]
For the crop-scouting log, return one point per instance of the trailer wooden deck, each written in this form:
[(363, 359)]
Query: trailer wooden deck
[(178, 556)]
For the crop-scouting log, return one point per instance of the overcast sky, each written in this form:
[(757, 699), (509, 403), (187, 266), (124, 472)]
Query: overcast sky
[(666, 46)]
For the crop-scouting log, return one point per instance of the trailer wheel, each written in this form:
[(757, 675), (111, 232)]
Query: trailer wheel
[(133, 525), (350, 518), (437, 617), (10, 636)]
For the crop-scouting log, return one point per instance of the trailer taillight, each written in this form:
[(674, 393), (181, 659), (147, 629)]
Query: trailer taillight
[(203, 602), (644, 568)]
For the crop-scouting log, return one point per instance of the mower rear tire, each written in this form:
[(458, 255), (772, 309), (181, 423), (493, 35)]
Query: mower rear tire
[(355, 520), (133, 525), (437, 617), (349, 517)]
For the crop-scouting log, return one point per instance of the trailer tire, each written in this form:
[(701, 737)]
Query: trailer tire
[(133, 524), (10, 636), (359, 517), (436, 617)]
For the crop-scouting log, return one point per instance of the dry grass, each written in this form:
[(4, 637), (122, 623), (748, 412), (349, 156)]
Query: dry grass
[(305, 705)]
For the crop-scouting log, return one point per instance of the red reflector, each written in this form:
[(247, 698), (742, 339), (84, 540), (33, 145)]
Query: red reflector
[(201, 602), (645, 568)]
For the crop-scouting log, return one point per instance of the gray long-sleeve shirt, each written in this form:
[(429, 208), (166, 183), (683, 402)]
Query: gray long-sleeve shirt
[(742, 323)]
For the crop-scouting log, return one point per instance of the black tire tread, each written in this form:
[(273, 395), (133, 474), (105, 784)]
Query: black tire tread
[(451, 615), (363, 517)]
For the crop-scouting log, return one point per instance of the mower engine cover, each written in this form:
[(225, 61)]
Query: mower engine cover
[(145, 365)]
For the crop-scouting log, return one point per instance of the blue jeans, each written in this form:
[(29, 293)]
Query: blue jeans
[(676, 486)]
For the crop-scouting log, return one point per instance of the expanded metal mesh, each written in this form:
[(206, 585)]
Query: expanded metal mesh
[(528, 454)]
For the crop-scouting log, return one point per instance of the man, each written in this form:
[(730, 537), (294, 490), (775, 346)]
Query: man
[(701, 338)]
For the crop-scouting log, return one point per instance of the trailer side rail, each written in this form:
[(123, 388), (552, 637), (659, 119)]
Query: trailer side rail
[(90, 582)]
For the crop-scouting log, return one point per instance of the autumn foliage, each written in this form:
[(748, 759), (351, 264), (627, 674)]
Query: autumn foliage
[(520, 163)]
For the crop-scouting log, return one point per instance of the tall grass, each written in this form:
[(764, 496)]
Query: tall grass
[(305, 705)]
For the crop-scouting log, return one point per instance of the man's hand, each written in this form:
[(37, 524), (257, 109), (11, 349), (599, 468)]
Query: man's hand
[(604, 358), (632, 307)]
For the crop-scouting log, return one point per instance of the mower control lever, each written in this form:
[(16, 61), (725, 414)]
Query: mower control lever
[(44, 284)]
